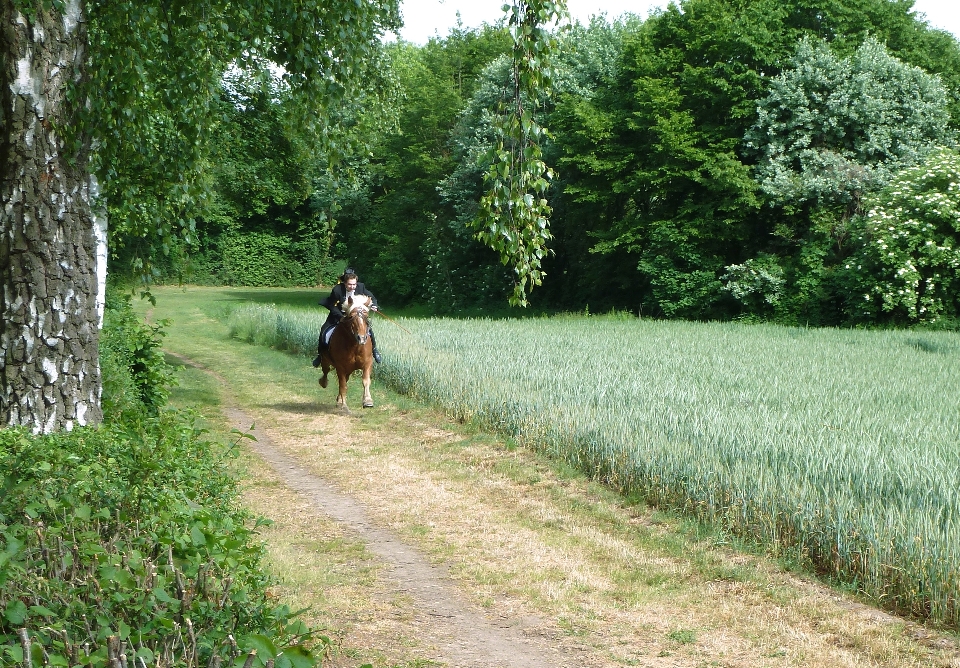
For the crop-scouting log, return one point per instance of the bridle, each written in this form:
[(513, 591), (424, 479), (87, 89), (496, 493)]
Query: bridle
[(357, 316)]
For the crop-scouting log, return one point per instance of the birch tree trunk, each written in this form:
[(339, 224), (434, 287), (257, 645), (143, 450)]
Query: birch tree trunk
[(49, 324)]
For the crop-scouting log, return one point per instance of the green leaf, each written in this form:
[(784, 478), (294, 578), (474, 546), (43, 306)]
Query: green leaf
[(300, 657), (161, 595), (264, 646), (197, 536), (16, 613), (42, 611)]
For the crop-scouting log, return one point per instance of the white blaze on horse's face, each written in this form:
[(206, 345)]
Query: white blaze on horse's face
[(360, 304)]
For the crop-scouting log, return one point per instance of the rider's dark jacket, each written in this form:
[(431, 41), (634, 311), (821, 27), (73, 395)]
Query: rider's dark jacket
[(335, 301)]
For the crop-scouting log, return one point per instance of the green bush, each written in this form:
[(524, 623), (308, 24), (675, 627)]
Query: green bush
[(126, 544), (135, 376), (907, 266), (256, 259), (260, 259), (832, 128)]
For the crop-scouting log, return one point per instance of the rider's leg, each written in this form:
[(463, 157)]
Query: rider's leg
[(323, 341), (377, 357)]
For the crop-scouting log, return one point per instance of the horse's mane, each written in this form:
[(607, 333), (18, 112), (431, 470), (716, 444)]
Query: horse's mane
[(358, 302)]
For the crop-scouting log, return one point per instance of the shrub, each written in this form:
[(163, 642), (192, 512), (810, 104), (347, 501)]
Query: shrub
[(136, 377), (270, 260), (757, 283), (125, 544), (832, 129), (907, 266)]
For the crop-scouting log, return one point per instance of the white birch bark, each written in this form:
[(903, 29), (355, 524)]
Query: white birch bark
[(49, 323)]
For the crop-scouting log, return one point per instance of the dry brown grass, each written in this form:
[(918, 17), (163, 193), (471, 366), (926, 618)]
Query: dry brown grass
[(322, 568)]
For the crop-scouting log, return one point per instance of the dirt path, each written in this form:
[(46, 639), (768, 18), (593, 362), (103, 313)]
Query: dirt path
[(464, 636), (460, 634)]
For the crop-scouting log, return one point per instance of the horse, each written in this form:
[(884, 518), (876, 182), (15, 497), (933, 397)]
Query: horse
[(350, 349)]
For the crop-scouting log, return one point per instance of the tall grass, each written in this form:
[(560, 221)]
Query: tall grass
[(842, 445)]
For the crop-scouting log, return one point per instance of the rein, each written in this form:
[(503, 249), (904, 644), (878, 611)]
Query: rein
[(355, 317), (389, 319)]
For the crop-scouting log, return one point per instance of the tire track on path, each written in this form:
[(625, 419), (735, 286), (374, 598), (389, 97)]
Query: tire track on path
[(463, 636)]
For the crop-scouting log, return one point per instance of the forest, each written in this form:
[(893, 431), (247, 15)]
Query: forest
[(792, 162)]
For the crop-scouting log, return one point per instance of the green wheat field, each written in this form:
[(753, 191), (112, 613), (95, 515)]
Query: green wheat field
[(839, 446)]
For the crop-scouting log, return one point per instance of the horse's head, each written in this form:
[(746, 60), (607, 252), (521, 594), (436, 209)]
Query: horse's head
[(356, 315), (362, 302)]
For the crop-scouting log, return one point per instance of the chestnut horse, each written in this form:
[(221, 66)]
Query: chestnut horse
[(350, 349)]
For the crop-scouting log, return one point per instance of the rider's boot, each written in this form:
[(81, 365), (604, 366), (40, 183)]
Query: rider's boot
[(316, 360), (377, 357)]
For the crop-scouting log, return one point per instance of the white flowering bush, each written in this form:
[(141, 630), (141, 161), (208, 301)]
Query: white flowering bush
[(907, 266), (755, 283)]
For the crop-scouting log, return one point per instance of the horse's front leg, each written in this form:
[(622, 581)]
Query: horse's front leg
[(325, 365), (342, 396), (367, 399)]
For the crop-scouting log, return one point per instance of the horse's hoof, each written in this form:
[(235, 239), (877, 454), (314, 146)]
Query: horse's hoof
[(323, 381), (368, 404)]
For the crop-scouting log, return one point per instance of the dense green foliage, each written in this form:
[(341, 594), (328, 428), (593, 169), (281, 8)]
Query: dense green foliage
[(151, 103), (833, 128), (658, 166), (672, 194), (394, 227), (513, 215), (907, 266), (135, 376), (261, 224), (717, 160), (835, 446), (128, 539)]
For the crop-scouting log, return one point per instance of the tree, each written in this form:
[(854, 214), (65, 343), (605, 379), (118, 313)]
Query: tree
[(586, 58), (513, 217), (470, 272), (832, 129), (655, 165), (121, 93), (50, 239), (394, 227), (261, 178), (650, 162)]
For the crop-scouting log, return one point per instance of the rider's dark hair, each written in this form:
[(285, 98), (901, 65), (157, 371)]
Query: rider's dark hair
[(348, 273)]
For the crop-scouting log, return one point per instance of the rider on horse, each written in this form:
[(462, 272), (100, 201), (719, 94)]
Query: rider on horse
[(336, 301)]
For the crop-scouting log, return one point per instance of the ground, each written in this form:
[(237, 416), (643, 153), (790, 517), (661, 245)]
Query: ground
[(418, 541)]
